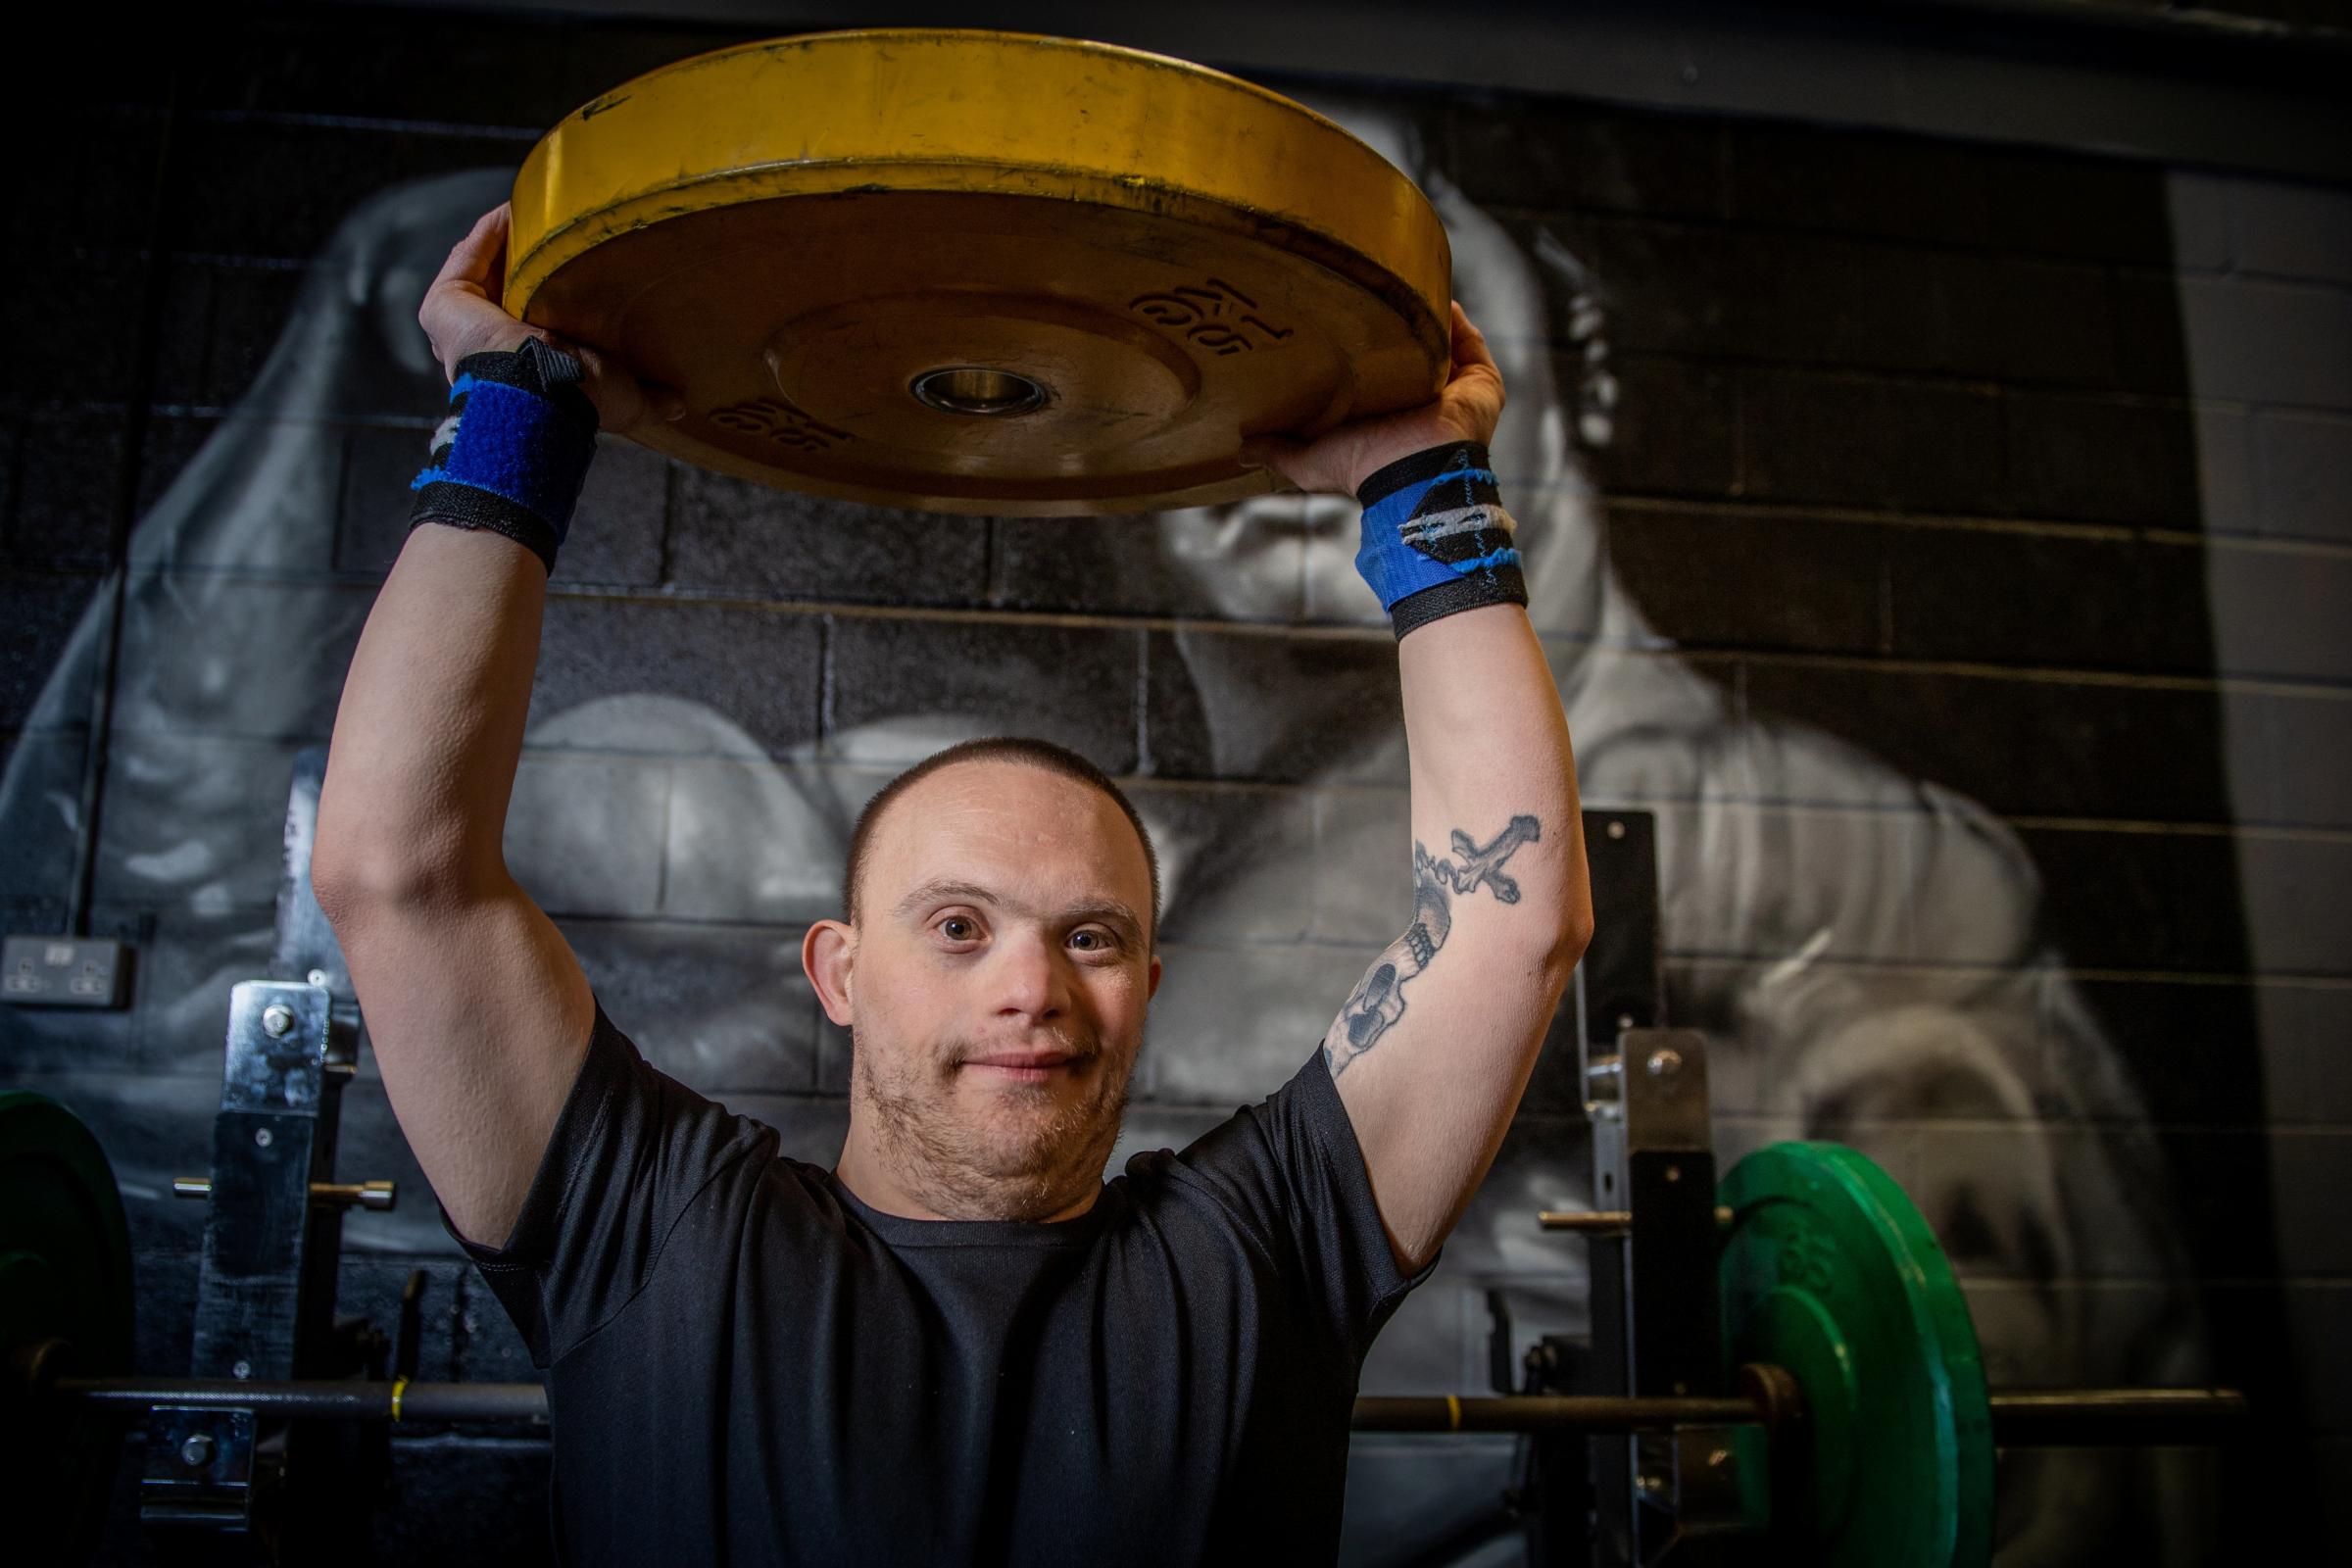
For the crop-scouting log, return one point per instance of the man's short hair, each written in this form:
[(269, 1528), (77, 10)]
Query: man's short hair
[(1021, 748)]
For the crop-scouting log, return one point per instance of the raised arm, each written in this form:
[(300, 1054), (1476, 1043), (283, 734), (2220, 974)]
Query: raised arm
[(1433, 1048), (476, 1009)]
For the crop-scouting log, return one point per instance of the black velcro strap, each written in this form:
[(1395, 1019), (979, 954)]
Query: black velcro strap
[(1502, 585), (462, 506)]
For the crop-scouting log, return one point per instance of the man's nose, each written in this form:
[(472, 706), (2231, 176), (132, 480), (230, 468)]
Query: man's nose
[(1032, 976)]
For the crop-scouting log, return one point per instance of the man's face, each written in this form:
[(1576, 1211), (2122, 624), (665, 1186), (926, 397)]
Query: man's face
[(1000, 973)]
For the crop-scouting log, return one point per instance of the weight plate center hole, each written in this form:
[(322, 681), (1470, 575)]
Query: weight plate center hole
[(977, 390)]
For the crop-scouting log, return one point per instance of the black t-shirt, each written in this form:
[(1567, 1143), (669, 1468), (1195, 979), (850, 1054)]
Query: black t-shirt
[(747, 1365)]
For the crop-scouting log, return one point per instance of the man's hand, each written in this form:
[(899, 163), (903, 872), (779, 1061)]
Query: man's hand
[(1340, 460), (460, 317)]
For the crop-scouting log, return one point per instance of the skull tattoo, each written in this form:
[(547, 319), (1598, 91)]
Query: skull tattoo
[(1378, 1000)]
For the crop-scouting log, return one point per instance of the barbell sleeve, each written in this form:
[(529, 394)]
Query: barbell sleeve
[(2047, 1418), (1602, 1221), (319, 1400), (1537, 1412), (379, 1196)]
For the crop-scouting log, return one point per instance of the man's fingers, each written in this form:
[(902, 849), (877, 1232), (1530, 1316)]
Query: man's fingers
[(1469, 343), (458, 314), (472, 257), (1474, 363)]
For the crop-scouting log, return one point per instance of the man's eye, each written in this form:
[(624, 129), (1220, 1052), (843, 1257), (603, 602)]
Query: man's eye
[(1095, 940), (956, 928)]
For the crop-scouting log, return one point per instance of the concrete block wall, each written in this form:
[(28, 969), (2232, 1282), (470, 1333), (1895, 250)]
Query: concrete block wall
[(1949, 548)]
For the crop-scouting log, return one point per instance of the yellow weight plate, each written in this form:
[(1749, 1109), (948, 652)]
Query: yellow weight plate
[(981, 271)]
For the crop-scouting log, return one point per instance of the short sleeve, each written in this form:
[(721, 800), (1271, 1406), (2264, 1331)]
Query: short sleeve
[(1291, 1172), (631, 1150)]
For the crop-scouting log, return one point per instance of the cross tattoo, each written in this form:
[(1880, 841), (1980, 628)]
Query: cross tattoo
[(1378, 1000)]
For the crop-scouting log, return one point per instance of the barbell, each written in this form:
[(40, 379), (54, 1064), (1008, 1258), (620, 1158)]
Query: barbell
[(2039, 1419), (1855, 1360)]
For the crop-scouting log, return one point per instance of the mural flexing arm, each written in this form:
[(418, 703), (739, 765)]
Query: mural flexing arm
[(478, 1012), (1433, 1048)]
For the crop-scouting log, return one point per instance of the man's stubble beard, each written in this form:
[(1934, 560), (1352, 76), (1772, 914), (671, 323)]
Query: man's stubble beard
[(961, 1171)]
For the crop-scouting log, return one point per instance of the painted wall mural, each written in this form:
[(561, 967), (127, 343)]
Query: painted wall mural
[(1865, 946)]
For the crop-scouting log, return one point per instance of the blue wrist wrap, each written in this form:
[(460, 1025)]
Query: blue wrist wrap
[(1436, 539), (513, 451)]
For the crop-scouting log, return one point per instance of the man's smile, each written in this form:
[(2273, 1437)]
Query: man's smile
[(1025, 1066)]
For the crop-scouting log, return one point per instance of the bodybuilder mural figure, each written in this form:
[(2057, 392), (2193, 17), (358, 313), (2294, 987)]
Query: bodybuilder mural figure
[(1858, 946)]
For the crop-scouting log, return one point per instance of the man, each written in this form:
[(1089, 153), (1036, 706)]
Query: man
[(959, 1344)]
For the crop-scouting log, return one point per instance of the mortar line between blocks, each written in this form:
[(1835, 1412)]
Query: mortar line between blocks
[(1144, 766)]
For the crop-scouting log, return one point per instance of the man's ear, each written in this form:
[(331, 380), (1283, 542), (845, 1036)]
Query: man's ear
[(829, 952), (1153, 990)]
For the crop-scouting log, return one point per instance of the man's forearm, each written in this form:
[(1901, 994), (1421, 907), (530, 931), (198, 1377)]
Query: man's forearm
[(1493, 778), (430, 727), (1491, 761), (431, 722)]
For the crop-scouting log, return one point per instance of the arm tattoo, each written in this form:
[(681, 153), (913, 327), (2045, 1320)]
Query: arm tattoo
[(1378, 1000)]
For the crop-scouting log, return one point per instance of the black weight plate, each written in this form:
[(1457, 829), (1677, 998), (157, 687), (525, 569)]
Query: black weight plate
[(65, 1273)]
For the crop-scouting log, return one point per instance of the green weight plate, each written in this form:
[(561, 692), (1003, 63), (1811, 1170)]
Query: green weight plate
[(65, 1273), (1829, 1271)]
